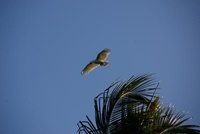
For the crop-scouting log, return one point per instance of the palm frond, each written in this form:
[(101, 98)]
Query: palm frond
[(133, 107)]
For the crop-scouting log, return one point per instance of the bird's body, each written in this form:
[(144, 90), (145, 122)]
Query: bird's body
[(99, 61)]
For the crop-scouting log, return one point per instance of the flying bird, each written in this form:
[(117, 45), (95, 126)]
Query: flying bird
[(99, 61)]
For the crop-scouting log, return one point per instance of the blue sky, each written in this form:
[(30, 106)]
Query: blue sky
[(44, 45)]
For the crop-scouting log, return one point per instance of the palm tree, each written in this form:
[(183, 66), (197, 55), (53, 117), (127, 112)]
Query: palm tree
[(133, 107)]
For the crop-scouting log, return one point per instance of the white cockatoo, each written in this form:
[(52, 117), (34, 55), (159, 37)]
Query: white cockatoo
[(99, 61)]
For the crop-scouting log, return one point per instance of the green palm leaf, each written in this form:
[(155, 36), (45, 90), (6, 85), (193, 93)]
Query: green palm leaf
[(132, 107)]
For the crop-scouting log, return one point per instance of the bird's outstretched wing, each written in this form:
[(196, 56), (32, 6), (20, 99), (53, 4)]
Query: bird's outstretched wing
[(103, 55), (91, 66)]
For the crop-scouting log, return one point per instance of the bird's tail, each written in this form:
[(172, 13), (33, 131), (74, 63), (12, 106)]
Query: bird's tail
[(105, 63)]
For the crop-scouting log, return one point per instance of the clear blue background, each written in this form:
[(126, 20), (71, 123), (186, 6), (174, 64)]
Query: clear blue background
[(44, 45)]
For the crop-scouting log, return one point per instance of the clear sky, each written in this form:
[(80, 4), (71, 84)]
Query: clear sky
[(44, 45)]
